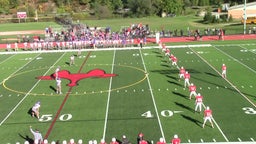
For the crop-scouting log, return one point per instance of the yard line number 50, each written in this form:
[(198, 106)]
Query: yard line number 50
[(48, 117)]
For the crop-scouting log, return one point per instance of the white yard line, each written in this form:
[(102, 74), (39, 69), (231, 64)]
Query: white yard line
[(247, 49), (7, 59), (28, 91), (152, 95), (204, 105), (230, 82), (19, 68), (235, 59), (109, 92)]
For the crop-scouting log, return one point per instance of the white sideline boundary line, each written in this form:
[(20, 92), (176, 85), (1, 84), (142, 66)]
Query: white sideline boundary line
[(103, 49), (245, 142), (109, 94), (9, 114), (152, 96), (204, 105)]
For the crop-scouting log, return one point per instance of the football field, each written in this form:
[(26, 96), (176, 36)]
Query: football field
[(113, 92)]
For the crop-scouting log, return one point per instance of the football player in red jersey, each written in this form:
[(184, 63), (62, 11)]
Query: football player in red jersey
[(199, 102), (192, 89), (161, 141), (208, 116), (224, 71), (176, 139), (186, 77)]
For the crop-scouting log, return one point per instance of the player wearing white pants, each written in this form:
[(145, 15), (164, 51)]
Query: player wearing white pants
[(208, 116), (187, 77), (199, 102), (192, 89)]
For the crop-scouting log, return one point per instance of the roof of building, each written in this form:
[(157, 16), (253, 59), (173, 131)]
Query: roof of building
[(242, 5)]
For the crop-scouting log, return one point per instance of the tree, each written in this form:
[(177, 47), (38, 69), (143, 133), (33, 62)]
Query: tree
[(4, 6), (172, 6), (116, 4), (84, 2), (204, 2), (194, 2), (140, 8)]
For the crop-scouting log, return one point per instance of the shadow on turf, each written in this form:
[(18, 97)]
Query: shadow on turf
[(27, 138), (181, 95), (192, 120), (211, 74), (67, 63), (53, 88), (222, 86), (185, 107), (171, 82), (30, 111)]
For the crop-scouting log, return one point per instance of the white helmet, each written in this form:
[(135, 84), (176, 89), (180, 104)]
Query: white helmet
[(207, 107), (80, 141), (175, 136), (94, 141), (72, 141), (161, 140), (26, 142), (113, 139), (53, 142), (198, 94), (64, 142), (45, 141), (102, 141)]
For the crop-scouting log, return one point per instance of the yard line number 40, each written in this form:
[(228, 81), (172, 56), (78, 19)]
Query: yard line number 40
[(147, 114)]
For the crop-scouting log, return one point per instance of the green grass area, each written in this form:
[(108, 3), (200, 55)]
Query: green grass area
[(145, 95)]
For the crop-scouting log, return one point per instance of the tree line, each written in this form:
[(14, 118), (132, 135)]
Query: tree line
[(124, 8)]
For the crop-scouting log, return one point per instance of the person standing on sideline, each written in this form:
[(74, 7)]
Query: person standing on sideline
[(199, 102), (186, 77), (35, 110), (58, 84), (141, 42), (102, 141), (208, 116), (192, 89), (176, 139), (37, 135), (161, 141), (72, 60), (114, 141), (224, 71), (140, 137)]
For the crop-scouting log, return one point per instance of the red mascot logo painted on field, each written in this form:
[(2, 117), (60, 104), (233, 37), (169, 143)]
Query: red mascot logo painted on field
[(74, 78)]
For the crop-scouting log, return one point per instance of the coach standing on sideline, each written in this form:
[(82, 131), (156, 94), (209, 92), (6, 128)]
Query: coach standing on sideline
[(37, 136)]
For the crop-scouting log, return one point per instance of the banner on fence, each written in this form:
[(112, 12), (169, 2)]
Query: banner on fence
[(21, 15)]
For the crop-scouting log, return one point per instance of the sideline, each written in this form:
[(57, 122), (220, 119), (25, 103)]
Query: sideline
[(103, 49)]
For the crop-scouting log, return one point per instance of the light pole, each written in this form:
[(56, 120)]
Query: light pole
[(245, 17)]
